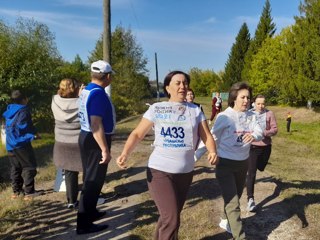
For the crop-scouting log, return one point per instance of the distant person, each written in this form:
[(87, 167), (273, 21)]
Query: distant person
[(177, 126), (260, 151), (97, 120), (190, 98), (19, 134), (288, 119), (66, 151), (234, 131), (216, 106)]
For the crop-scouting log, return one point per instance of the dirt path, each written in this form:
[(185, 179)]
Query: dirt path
[(48, 218)]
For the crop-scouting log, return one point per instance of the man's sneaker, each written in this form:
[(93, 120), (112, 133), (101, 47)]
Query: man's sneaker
[(16, 195), (72, 205), (30, 196), (224, 224), (251, 205), (100, 201)]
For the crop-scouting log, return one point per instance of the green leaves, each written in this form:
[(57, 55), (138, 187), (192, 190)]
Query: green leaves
[(130, 84), (235, 63)]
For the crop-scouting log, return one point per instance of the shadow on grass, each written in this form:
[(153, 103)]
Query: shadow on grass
[(269, 217)]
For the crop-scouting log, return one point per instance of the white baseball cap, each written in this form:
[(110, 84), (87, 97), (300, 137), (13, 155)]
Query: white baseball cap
[(101, 66)]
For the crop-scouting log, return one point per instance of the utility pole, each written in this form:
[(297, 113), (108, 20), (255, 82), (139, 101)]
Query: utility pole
[(157, 79), (107, 36)]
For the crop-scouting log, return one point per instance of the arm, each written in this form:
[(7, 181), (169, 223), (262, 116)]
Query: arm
[(207, 139), (214, 100), (99, 135), (255, 136), (273, 126), (135, 137)]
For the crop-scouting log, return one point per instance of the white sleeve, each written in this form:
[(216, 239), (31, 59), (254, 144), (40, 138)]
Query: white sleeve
[(149, 114), (201, 150)]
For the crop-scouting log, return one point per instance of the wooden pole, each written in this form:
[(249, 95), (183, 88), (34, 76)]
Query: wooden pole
[(107, 36)]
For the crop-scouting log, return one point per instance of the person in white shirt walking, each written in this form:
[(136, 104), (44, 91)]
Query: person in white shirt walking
[(177, 126), (234, 130)]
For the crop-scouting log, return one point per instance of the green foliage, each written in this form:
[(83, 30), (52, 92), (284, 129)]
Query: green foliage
[(76, 69), (28, 61), (130, 84), (235, 63), (307, 36), (266, 69), (204, 82), (266, 28)]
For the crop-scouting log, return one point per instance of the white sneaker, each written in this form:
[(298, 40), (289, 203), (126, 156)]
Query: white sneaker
[(225, 225), (101, 201), (251, 205)]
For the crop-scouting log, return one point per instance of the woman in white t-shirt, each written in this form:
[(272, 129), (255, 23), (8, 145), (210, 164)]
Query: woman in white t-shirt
[(177, 127), (234, 131)]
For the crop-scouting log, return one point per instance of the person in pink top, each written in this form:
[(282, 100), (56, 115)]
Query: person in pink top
[(260, 151)]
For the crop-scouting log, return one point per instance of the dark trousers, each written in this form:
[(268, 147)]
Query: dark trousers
[(23, 169), (259, 157), (231, 175), (288, 125), (169, 192), (72, 185), (94, 176)]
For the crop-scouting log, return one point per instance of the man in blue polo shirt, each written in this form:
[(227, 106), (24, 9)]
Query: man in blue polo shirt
[(97, 119)]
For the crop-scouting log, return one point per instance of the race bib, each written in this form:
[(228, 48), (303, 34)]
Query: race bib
[(83, 114), (242, 127), (173, 126)]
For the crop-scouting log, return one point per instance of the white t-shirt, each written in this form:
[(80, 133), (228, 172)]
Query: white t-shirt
[(176, 135), (228, 130)]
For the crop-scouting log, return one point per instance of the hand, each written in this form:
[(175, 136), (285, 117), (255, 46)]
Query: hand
[(121, 160), (81, 88), (247, 138), (106, 157), (213, 158), (37, 136)]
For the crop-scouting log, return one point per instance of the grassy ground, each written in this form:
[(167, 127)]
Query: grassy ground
[(294, 167)]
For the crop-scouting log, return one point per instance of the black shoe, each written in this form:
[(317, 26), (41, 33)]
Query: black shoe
[(97, 215), (92, 229)]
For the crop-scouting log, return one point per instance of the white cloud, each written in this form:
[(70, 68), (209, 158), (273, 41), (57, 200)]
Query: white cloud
[(211, 20), (68, 24), (98, 3), (84, 3)]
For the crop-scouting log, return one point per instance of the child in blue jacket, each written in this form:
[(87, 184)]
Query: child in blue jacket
[(19, 134)]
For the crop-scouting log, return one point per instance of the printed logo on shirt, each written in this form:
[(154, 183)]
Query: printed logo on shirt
[(173, 127)]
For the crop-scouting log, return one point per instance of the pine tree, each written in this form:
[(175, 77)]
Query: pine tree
[(266, 28), (235, 63)]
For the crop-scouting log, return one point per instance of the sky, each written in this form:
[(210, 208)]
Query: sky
[(183, 33)]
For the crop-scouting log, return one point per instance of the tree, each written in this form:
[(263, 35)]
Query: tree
[(130, 83), (235, 63), (28, 61), (266, 68), (204, 82), (76, 69), (307, 44), (266, 28)]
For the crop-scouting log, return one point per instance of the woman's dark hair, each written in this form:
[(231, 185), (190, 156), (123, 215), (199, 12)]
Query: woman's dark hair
[(168, 78), (235, 88), (17, 97)]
